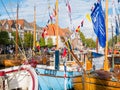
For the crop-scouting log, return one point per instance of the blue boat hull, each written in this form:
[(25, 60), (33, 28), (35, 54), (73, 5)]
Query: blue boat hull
[(54, 80)]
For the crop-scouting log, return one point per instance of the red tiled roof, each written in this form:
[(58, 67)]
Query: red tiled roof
[(10, 22), (51, 30)]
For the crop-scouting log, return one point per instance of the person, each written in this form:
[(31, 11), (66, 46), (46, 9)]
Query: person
[(0, 50)]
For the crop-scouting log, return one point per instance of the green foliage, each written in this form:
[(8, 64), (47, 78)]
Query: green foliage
[(90, 43), (113, 41), (19, 39), (42, 42), (4, 38), (28, 40), (49, 42), (82, 37), (87, 42)]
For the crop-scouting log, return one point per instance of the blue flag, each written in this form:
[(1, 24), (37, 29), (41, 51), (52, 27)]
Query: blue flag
[(98, 20), (96, 55), (118, 1), (117, 28)]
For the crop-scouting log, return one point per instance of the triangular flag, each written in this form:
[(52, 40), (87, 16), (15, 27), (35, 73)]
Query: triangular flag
[(73, 36), (78, 29), (88, 17)]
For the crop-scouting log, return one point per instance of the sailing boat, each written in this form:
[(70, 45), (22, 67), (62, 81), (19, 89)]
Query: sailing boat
[(55, 77), (20, 77), (15, 60), (103, 79)]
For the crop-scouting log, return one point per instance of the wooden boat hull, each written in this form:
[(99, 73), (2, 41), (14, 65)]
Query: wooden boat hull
[(93, 83), (19, 78), (11, 63)]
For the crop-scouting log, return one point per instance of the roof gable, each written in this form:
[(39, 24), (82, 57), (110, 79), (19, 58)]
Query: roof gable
[(52, 30)]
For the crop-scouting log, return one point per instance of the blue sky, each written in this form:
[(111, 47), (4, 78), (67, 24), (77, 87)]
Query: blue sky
[(79, 9)]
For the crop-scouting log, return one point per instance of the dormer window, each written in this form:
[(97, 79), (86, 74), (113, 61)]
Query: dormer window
[(19, 26), (7, 26)]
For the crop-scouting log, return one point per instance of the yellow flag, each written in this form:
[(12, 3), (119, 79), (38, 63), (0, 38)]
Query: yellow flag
[(88, 17), (37, 43)]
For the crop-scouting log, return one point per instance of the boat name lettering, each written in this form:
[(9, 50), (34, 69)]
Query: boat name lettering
[(50, 72)]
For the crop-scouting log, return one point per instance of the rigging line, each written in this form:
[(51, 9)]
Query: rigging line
[(6, 9), (10, 3), (48, 8)]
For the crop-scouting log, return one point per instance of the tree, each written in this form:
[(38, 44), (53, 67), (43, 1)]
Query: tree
[(49, 42), (19, 39), (82, 37), (28, 40), (90, 43), (42, 42), (4, 38), (113, 41)]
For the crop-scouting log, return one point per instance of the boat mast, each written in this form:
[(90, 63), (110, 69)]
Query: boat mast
[(57, 25), (96, 44), (112, 48), (34, 36), (106, 68), (16, 44)]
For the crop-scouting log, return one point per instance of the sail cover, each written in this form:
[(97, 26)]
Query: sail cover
[(98, 20)]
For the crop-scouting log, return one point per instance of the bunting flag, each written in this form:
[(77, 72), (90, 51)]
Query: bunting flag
[(69, 45), (78, 29), (88, 17), (44, 33), (82, 23), (54, 13), (73, 36), (98, 20), (64, 52), (92, 8), (117, 27), (51, 18), (96, 55), (118, 1), (68, 5), (38, 45), (69, 9)]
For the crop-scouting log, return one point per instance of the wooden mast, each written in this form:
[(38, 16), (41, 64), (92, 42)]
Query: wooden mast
[(57, 31), (97, 45), (34, 36), (106, 66), (16, 44)]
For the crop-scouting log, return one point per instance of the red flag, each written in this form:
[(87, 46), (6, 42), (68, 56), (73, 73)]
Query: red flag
[(54, 13), (44, 33), (78, 29), (68, 5), (64, 52)]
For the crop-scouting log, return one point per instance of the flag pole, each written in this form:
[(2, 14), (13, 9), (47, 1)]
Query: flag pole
[(16, 47), (34, 36), (57, 24), (106, 68)]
